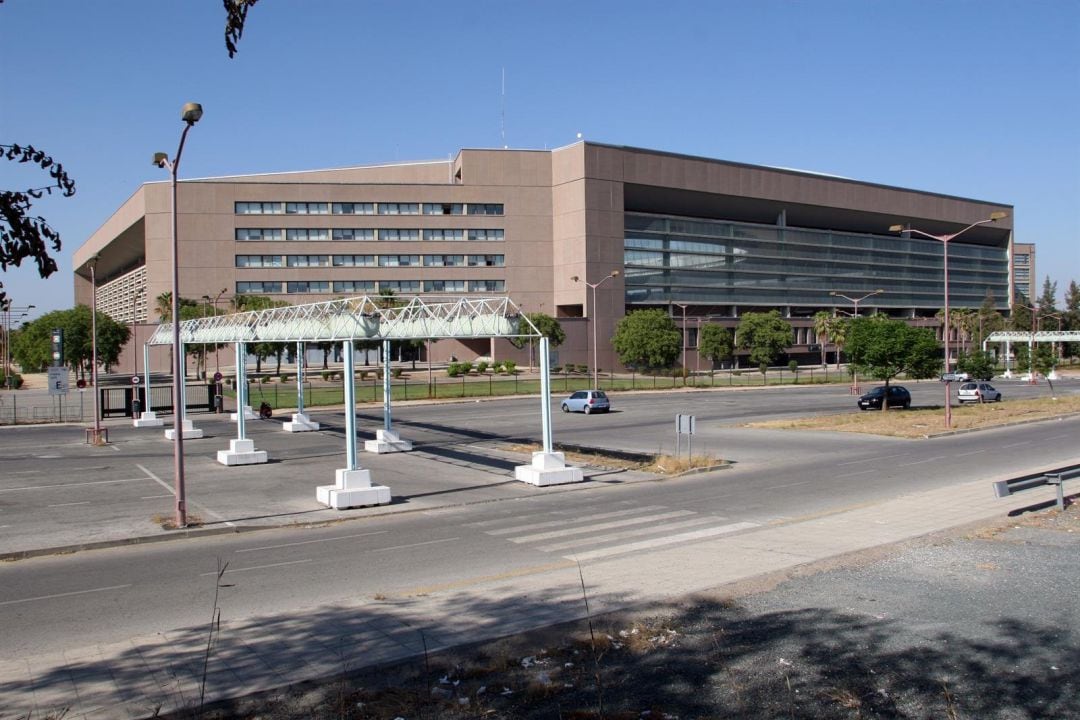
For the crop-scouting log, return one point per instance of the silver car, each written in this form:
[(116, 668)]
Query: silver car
[(977, 392), (587, 401)]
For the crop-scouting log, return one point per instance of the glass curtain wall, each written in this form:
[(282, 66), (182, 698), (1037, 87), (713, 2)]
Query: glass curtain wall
[(675, 259)]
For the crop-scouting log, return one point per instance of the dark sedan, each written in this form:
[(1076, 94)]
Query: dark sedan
[(898, 397)]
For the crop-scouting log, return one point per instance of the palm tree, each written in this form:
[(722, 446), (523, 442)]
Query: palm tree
[(838, 330), (163, 306), (822, 325)]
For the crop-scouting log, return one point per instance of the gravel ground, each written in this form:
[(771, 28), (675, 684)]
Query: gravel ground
[(974, 624)]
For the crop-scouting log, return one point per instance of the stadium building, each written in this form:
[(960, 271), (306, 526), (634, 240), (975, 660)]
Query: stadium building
[(706, 240)]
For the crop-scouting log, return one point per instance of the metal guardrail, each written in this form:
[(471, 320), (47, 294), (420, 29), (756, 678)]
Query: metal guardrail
[(1005, 488)]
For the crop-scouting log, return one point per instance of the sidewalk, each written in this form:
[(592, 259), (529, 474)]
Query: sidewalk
[(132, 678)]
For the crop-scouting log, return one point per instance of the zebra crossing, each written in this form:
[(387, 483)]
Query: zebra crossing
[(591, 533)]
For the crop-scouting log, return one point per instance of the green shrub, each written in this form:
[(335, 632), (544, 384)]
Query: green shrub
[(283, 378), (326, 374), (16, 380), (556, 369), (453, 369), (395, 372), (510, 367), (466, 367), (481, 367)]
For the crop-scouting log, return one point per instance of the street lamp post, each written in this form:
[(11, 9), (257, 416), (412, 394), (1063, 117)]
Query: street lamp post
[(217, 346), (683, 359), (944, 239), (593, 286), (97, 439), (9, 310), (190, 114), (855, 315)]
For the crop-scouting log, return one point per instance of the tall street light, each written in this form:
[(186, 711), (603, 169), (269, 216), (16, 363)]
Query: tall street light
[(944, 239), (217, 347), (684, 338), (575, 278), (96, 437), (10, 310), (190, 114), (855, 315)]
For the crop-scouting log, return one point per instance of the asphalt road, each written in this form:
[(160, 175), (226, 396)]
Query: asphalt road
[(49, 604)]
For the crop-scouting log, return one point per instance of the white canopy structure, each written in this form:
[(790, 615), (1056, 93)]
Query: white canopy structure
[(348, 320), (1008, 337)]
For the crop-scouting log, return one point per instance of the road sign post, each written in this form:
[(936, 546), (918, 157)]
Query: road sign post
[(684, 425)]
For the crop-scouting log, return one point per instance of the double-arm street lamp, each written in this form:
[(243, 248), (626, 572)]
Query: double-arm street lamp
[(10, 310), (609, 276), (684, 338), (97, 439), (190, 114), (855, 314), (944, 239)]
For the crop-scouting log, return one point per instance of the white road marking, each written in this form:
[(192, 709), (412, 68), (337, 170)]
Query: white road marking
[(85, 502), (155, 497), (973, 452), (172, 492), (67, 485), (881, 457), (67, 594), (308, 542), (230, 571), (114, 448), (777, 487), (635, 532), (582, 518), (601, 526), (920, 462), (861, 472), (660, 542), (402, 547)]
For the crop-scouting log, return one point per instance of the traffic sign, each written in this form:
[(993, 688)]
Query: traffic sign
[(135, 379), (80, 383), (58, 381), (217, 377)]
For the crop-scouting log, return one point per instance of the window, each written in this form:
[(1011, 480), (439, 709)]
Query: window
[(308, 286), (258, 234), (486, 260), (354, 261), (306, 208), (444, 209), (353, 208), (354, 286), (393, 234), (360, 234), (398, 260), (307, 260), (444, 260), (480, 234), (487, 286), (448, 286), (485, 208), (399, 209), (444, 235), (258, 261), (259, 208), (307, 234), (400, 286), (259, 287)]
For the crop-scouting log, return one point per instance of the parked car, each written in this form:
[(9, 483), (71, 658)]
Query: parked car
[(955, 377), (587, 401), (898, 397), (978, 392)]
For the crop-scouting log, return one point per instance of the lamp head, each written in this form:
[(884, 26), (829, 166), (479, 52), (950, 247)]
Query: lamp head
[(998, 215), (575, 278), (614, 273), (191, 113), (160, 159), (833, 292), (896, 228), (878, 291)]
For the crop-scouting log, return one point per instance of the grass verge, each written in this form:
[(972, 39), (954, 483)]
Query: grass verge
[(931, 421)]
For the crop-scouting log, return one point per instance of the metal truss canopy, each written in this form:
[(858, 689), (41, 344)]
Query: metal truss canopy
[(359, 318), (1020, 336)]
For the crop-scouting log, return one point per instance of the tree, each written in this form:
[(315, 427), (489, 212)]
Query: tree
[(766, 335), (1021, 318), (23, 236), (1047, 302), (1023, 356), (1072, 317), (978, 365), (883, 349), (235, 16), (1043, 362), (647, 339), (548, 326), (163, 307), (989, 319), (33, 346), (823, 321), (715, 343)]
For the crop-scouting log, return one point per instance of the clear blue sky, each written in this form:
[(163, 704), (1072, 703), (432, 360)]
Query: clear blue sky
[(976, 98)]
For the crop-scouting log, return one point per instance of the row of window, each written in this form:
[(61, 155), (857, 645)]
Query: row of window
[(274, 287), (368, 234), (264, 261), (387, 208)]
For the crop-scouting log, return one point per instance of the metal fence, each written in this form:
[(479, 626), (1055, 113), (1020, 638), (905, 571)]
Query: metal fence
[(24, 407)]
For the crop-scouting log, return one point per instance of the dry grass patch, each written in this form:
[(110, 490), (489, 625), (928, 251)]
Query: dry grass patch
[(168, 522), (923, 423), (657, 464)]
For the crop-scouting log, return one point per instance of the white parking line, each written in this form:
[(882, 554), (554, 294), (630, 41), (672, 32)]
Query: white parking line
[(68, 485), (85, 502), (861, 472), (402, 547), (156, 497), (67, 594), (165, 485), (230, 571)]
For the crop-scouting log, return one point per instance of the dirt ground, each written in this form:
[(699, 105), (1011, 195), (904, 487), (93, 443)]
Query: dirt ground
[(832, 640)]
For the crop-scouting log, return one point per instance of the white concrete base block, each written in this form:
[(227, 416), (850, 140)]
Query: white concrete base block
[(548, 469), (352, 488), (387, 441), (241, 452), (147, 419), (187, 429), (1008, 374), (1053, 374), (300, 423), (249, 414)]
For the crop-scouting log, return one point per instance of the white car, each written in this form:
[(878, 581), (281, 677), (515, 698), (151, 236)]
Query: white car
[(977, 392)]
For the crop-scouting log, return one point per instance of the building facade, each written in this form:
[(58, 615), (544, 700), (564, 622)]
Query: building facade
[(704, 239), (1024, 276)]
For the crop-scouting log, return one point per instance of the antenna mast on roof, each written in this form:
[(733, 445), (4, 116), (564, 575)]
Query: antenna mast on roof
[(502, 109)]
